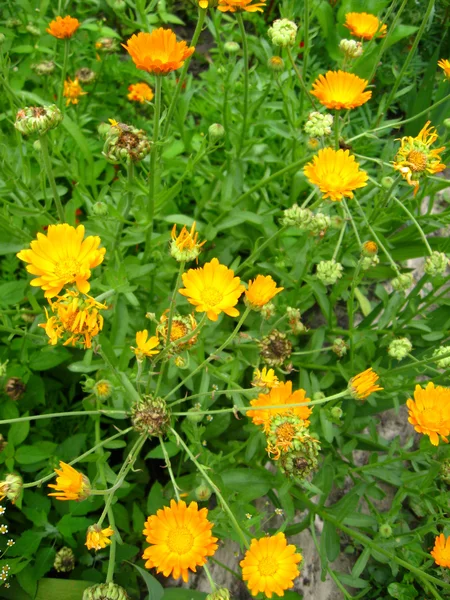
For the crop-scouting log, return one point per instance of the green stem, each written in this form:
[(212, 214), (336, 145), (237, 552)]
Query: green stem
[(341, 237), (305, 41), (176, 489), (17, 331), (51, 179), (212, 356), (416, 360), (418, 363), (129, 201), (300, 78), (352, 221), (77, 413), (205, 475), (414, 220), (351, 312), (63, 73), (258, 250), (219, 392), (153, 165), (173, 103), (411, 53), (336, 129), (240, 21), (182, 340)]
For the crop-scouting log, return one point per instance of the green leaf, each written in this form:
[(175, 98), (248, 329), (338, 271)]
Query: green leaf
[(364, 302), (155, 589), (183, 594), (330, 541), (47, 358), (12, 292), (28, 455), (172, 450), (402, 591), (18, 432), (248, 483)]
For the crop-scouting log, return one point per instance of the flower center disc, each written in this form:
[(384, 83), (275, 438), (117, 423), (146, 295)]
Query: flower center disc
[(178, 331), (417, 160), (67, 269), (211, 297), (180, 540), (285, 432), (268, 566)]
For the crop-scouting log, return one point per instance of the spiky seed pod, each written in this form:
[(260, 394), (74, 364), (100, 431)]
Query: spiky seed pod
[(37, 119), (150, 415), (105, 591), (275, 348), (125, 142), (64, 560), (15, 388)]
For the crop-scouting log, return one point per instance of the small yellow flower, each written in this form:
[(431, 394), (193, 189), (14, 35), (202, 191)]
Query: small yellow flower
[(185, 245), (213, 289), (339, 89), (429, 412), (63, 27), (265, 378), (362, 385), (98, 538), (207, 3), (364, 25), (261, 291), (103, 389), (140, 92), (279, 396), (441, 551), (415, 158), (72, 91), (369, 248), (270, 565), (336, 173), (240, 5), (70, 484), (445, 65), (145, 347)]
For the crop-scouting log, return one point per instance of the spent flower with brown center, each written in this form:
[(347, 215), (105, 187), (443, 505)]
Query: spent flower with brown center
[(125, 143), (275, 348)]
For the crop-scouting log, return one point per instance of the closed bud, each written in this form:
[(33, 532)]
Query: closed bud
[(369, 262), (37, 119), (37, 145), (297, 217), (399, 348), (33, 29), (180, 362), (318, 396), (351, 48), (11, 23), (369, 248), (268, 311), (203, 492), (2, 38), (385, 530), (329, 271), (100, 209), (216, 132), (103, 389), (105, 591), (443, 363), (313, 143), (436, 264), (336, 412), (64, 560), (402, 282), (387, 182), (447, 123), (283, 33), (119, 5), (318, 124), (231, 47), (275, 63)]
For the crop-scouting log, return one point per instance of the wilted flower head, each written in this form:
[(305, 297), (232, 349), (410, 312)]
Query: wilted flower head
[(364, 25), (283, 33), (63, 27), (399, 348), (125, 142), (350, 48), (318, 124), (415, 159), (70, 484), (64, 560), (185, 245), (150, 416), (339, 347), (329, 271), (297, 217), (15, 388), (85, 75), (362, 385), (105, 591), (11, 487), (107, 44), (429, 412), (38, 119), (46, 67), (275, 348)]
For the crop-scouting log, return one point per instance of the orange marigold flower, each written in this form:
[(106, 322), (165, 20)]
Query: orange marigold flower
[(279, 396), (270, 565), (98, 538), (240, 5), (158, 52), (441, 551), (336, 173), (364, 25), (261, 291), (338, 89), (63, 27), (70, 484), (445, 65), (72, 91), (213, 289), (429, 412), (62, 257), (145, 347), (140, 92), (369, 248), (362, 385), (415, 159), (181, 539)]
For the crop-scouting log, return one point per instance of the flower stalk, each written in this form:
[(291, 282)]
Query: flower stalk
[(49, 172)]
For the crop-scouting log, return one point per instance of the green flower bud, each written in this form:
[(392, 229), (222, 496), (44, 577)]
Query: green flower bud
[(219, 594), (100, 209), (2, 38), (33, 29), (318, 396), (231, 47), (125, 143), (119, 5), (105, 591), (37, 145), (64, 560), (351, 48), (339, 347), (436, 264), (268, 311), (318, 124), (399, 348), (402, 282), (336, 412), (387, 182), (37, 119), (150, 415), (444, 363), (385, 530), (283, 33), (195, 415), (11, 23), (297, 217), (203, 492), (216, 132), (447, 123), (88, 384), (369, 262), (275, 63), (329, 271)]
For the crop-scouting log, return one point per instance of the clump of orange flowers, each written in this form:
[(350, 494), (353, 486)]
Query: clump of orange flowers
[(63, 27), (140, 92)]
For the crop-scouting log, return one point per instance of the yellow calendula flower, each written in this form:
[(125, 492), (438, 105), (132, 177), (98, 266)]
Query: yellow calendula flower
[(369, 248), (180, 538), (364, 25), (185, 245), (140, 92), (429, 412), (70, 484), (279, 396), (207, 3), (339, 89), (98, 538), (63, 27), (261, 291), (441, 551), (265, 378), (75, 318), (213, 289), (362, 385), (270, 565), (445, 65), (240, 5), (72, 91), (144, 346), (415, 159), (62, 257), (336, 173)]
